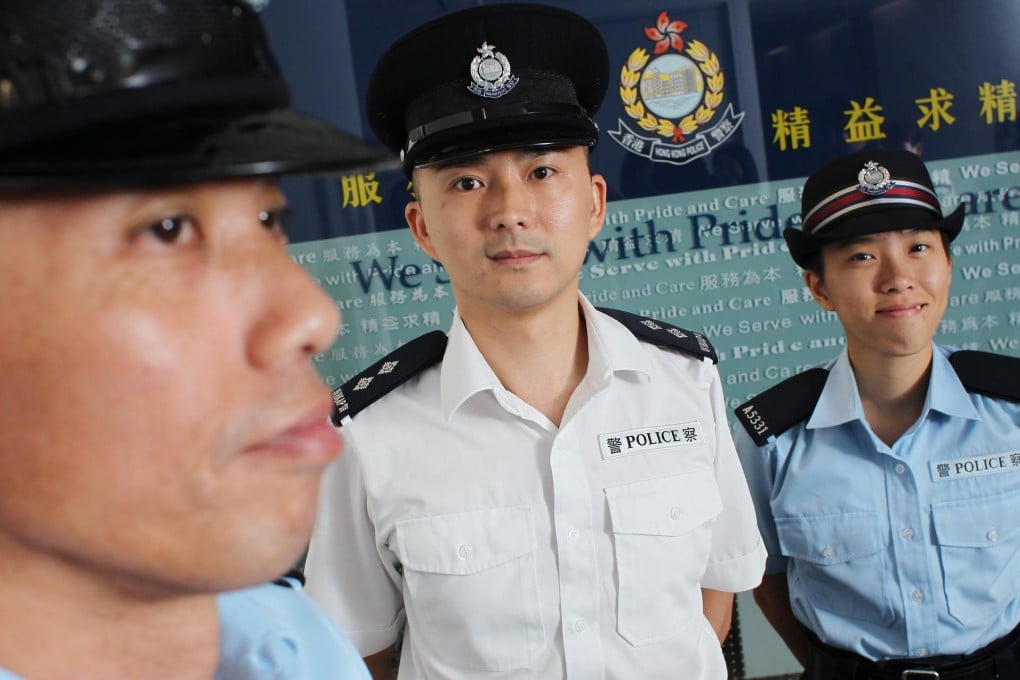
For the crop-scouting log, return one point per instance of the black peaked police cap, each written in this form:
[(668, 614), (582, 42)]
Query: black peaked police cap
[(117, 93), (489, 78), (865, 193)]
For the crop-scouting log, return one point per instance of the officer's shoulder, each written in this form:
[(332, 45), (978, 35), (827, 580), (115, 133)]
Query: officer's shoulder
[(387, 374), (782, 406), (664, 335), (994, 375)]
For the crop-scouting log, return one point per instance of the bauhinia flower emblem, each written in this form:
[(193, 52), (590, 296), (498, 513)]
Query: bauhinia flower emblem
[(666, 34)]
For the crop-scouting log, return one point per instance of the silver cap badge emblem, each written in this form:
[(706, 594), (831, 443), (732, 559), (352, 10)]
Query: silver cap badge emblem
[(873, 179), (490, 73)]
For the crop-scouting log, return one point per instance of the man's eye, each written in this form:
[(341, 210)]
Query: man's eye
[(467, 183), (276, 219), (541, 173), (170, 229)]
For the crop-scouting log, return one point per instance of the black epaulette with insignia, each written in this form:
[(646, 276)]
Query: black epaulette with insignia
[(664, 334), (386, 374), (994, 375), (782, 406)]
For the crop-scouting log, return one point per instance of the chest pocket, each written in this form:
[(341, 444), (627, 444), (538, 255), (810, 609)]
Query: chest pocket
[(979, 547), (471, 578), (662, 535), (838, 563)]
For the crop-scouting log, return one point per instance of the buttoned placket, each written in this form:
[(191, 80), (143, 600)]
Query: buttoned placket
[(911, 555), (575, 551)]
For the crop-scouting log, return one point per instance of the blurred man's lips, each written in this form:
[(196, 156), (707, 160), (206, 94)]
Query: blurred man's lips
[(311, 439)]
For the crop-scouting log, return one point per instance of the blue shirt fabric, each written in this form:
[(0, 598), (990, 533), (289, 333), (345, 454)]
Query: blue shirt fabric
[(903, 551), (270, 632)]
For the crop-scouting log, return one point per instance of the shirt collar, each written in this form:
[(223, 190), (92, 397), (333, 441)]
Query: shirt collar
[(946, 394), (464, 372), (840, 402)]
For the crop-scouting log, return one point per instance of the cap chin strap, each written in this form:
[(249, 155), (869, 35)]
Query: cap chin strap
[(491, 113)]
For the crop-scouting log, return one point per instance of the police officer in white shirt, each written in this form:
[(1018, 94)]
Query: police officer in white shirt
[(887, 480), (549, 490)]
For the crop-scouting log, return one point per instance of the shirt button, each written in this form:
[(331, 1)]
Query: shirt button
[(917, 596), (923, 651), (466, 551), (675, 513), (907, 533), (828, 552), (900, 468), (993, 535), (572, 535), (580, 626)]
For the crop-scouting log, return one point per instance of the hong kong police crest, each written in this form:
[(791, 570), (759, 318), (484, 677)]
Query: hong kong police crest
[(491, 76), (675, 94)]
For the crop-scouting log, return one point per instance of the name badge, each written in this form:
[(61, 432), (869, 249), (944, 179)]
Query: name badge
[(989, 464), (645, 439)]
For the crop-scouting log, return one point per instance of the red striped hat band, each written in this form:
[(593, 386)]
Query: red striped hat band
[(844, 202)]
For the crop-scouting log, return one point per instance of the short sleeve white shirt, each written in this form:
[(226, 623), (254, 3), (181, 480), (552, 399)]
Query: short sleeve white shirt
[(524, 550)]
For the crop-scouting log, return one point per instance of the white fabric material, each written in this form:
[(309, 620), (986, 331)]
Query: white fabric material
[(517, 549)]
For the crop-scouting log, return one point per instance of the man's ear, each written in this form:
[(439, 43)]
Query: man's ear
[(816, 284), (419, 229), (599, 191)]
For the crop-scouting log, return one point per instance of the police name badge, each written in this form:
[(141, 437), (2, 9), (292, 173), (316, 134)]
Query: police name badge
[(988, 464), (645, 439)]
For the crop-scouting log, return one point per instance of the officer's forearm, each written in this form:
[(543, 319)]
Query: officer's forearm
[(773, 597)]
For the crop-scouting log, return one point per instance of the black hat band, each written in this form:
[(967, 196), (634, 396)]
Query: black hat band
[(845, 202), (491, 113)]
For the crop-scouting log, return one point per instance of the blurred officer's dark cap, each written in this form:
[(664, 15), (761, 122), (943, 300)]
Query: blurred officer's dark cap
[(489, 78), (865, 193), (118, 93)]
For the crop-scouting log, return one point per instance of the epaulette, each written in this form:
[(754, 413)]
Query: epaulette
[(664, 334), (994, 375), (388, 373), (782, 406)]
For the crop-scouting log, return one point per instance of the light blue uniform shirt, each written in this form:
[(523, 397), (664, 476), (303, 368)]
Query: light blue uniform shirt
[(903, 551), (271, 632)]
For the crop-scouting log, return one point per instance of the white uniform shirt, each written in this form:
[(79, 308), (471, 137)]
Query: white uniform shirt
[(523, 550)]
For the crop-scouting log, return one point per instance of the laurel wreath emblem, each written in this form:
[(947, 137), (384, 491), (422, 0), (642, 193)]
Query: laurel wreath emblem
[(630, 76)]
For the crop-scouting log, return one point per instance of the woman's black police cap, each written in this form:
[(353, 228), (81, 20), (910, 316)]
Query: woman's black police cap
[(865, 193), (489, 78), (119, 93)]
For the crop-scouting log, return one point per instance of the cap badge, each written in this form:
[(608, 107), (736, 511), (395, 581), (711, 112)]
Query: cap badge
[(490, 73), (873, 179)]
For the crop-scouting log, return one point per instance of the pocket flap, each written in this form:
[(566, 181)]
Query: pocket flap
[(830, 539), (977, 522), (466, 542), (669, 506)]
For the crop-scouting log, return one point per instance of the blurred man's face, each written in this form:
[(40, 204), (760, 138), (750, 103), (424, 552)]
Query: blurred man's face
[(160, 420)]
